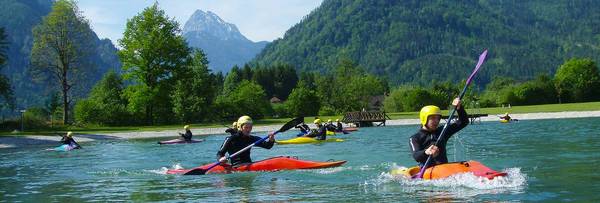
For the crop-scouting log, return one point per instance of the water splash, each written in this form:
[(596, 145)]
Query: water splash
[(456, 186), (163, 170)]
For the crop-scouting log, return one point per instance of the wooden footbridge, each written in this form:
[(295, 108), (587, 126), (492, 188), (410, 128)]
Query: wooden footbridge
[(365, 118)]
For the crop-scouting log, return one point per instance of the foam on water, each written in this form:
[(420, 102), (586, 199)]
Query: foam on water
[(465, 184), (163, 170)]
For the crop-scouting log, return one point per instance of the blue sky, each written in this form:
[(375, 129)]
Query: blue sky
[(258, 20)]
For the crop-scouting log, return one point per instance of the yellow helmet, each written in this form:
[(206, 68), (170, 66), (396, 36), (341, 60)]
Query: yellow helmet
[(506, 114), (244, 120), (337, 120), (69, 134), (187, 127), (317, 121), (234, 125), (329, 120), (427, 111)]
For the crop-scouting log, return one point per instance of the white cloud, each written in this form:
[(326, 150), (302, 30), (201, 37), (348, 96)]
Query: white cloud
[(258, 20)]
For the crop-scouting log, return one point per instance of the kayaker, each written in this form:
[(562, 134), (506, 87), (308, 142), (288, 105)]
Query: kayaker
[(505, 117), (68, 140), (241, 139), (422, 143), (329, 125), (233, 129), (320, 133), (339, 126), (188, 133)]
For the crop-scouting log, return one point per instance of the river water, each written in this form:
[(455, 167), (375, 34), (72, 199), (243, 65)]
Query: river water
[(547, 160)]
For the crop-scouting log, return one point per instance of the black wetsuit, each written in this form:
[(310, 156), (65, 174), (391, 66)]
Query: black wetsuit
[(231, 131), (187, 136), (70, 141), (320, 133), (420, 141), (339, 128), (238, 141)]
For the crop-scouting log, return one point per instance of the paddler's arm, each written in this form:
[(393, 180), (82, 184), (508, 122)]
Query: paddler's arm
[(267, 144), (223, 149), (418, 151), (462, 122)]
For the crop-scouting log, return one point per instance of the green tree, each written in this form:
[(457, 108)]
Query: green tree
[(538, 91), (411, 98), (153, 54), (194, 94), (5, 89), (60, 52), (106, 104), (303, 102), (577, 80), (232, 80), (247, 99)]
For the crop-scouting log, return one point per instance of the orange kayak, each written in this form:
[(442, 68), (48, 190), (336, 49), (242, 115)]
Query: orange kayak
[(270, 164), (449, 169)]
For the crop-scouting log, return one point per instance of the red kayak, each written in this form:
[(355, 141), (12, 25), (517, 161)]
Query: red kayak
[(449, 169), (350, 129), (179, 141), (270, 164)]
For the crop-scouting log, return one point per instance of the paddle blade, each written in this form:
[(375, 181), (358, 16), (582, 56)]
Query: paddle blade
[(481, 59), (291, 124), (196, 171)]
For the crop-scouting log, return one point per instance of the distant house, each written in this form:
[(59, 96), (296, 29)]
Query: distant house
[(275, 100)]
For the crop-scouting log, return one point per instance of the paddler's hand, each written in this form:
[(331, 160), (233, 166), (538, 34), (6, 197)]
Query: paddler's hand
[(223, 160), (432, 151), (456, 102), (272, 137)]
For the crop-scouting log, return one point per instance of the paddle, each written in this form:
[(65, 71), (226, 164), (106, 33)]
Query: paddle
[(287, 126), (481, 59)]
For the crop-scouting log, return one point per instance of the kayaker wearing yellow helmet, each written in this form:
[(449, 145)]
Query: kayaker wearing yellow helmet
[(241, 139), (329, 125), (320, 133), (505, 117), (423, 142), (68, 140), (188, 133)]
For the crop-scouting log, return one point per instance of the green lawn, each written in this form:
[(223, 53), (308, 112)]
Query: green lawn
[(589, 106)]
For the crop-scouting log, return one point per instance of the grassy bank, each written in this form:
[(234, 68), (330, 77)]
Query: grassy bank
[(588, 106)]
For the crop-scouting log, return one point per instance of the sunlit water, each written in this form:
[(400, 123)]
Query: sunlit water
[(547, 160)]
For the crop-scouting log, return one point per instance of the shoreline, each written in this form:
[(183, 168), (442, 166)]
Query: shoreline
[(34, 140)]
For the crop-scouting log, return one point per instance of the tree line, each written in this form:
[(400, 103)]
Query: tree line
[(164, 81)]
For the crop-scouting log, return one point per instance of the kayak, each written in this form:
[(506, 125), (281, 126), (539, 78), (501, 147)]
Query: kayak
[(504, 121), (449, 169), (307, 140), (64, 147), (179, 141), (350, 129), (270, 164)]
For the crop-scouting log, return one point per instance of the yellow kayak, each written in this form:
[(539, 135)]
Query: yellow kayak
[(307, 140), (503, 121)]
